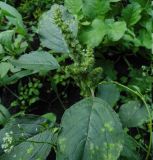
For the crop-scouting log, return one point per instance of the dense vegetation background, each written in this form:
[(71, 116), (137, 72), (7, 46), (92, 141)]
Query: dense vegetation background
[(93, 55)]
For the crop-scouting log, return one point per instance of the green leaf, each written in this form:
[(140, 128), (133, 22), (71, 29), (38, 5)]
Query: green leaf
[(51, 35), (143, 3), (37, 61), (1, 51), (133, 114), (4, 114), (33, 139), (130, 38), (93, 35), (109, 93), (146, 38), (152, 139), (38, 148), (95, 8), (4, 68), (129, 151), (108, 67), (115, 30), (132, 13), (147, 24), (74, 6), (13, 16), (10, 10), (15, 77), (50, 116), (114, 0), (6, 38), (90, 130)]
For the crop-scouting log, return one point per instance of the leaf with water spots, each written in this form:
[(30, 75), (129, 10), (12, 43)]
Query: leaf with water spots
[(91, 130), (32, 139)]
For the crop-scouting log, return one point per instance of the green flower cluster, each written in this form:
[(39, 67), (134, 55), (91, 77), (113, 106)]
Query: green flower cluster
[(28, 94), (82, 70)]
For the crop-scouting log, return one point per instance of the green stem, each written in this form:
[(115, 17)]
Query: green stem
[(147, 107), (92, 92), (140, 145)]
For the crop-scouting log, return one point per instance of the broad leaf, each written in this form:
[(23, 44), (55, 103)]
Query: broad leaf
[(95, 8), (130, 38), (74, 6), (109, 92), (37, 61), (115, 30), (4, 115), (129, 151), (13, 16), (132, 13), (93, 35), (36, 148), (91, 130), (51, 35), (1, 51), (33, 139), (146, 38), (6, 38), (10, 10), (50, 116), (147, 24), (15, 77), (133, 114), (4, 68), (108, 67)]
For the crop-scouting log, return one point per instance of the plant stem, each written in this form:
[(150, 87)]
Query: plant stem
[(92, 92)]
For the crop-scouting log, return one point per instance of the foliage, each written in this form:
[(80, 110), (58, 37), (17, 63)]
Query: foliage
[(28, 94), (35, 8), (94, 139), (29, 130), (94, 53), (4, 115), (133, 116), (82, 70), (108, 92)]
